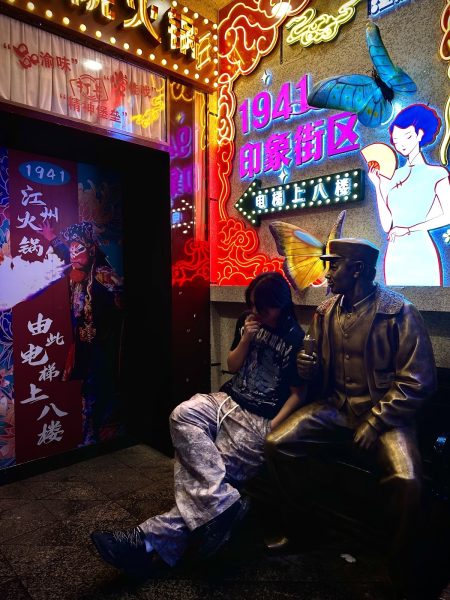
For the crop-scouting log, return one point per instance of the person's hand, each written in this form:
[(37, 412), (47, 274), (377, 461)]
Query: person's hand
[(251, 328), (307, 365), (397, 232), (47, 231), (365, 436), (374, 172)]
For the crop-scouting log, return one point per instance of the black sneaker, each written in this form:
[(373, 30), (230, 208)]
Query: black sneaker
[(125, 549), (210, 537)]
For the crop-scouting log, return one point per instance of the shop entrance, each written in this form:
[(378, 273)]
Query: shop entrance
[(143, 173)]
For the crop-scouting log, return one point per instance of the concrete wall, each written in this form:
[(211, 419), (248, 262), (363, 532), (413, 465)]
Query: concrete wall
[(412, 34)]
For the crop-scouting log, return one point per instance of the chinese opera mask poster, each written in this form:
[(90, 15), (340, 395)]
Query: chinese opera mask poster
[(61, 310)]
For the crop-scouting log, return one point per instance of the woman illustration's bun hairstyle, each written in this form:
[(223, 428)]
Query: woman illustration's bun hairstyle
[(421, 117)]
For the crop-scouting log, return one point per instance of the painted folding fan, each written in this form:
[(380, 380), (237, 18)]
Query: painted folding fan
[(302, 265), (381, 157)]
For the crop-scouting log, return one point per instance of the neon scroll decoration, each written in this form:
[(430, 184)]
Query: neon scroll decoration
[(307, 30), (444, 52), (247, 32)]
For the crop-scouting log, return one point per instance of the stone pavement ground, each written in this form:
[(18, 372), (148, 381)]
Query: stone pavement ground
[(46, 553)]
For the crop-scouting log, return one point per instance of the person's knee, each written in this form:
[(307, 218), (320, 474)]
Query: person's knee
[(407, 482), (400, 459), (279, 440), (186, 412), (287, 438), (407, 478), (179, 414), (177, 421)]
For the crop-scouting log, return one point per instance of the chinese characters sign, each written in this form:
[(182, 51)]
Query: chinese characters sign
[(310, 193), (61, 303), (308, 143), (51, 74), (47, 410), (181, 170), (376, 7), (160, 32)]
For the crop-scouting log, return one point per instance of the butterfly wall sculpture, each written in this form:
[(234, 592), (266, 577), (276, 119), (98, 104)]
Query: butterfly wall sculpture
[(303, 265), (369, 97)]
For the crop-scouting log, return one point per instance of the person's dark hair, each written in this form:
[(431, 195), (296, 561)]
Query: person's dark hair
[(270, 290)]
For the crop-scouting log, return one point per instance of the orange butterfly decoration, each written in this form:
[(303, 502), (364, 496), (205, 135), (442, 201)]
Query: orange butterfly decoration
[(302, 251)]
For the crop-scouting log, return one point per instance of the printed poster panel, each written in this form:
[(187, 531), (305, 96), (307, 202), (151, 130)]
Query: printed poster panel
[(61, 306), (48, 412)]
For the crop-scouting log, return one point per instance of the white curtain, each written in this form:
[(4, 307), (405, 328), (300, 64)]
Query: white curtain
[(33, 75)]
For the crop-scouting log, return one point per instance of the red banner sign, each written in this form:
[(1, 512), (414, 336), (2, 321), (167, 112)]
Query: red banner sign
[(48, 411)]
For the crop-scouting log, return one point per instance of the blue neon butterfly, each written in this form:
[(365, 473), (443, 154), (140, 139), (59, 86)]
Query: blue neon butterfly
[(369, 97)]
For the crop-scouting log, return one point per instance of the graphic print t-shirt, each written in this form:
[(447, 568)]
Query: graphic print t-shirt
[(262, 384)]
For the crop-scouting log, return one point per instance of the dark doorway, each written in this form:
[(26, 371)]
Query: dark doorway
[(147, 257)]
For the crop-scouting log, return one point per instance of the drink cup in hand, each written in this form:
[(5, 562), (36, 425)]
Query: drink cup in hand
[(307, 364), (309, 345)]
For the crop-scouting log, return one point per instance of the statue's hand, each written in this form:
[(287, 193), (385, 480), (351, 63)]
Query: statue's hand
[(307, 365), (365, 436)]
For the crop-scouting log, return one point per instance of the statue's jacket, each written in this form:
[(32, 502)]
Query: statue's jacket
[(398, 359)]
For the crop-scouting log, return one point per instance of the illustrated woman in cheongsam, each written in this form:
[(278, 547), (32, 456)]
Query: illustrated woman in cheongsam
[(415, 201)]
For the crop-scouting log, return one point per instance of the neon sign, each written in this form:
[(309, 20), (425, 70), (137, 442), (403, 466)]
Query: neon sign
[(107, 97), (152, 114), (263, 110), (161, 32), (181, 175), (308, 142), (307, 30), (347, 186), (444, 52), (375, 7), (246, 34)]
